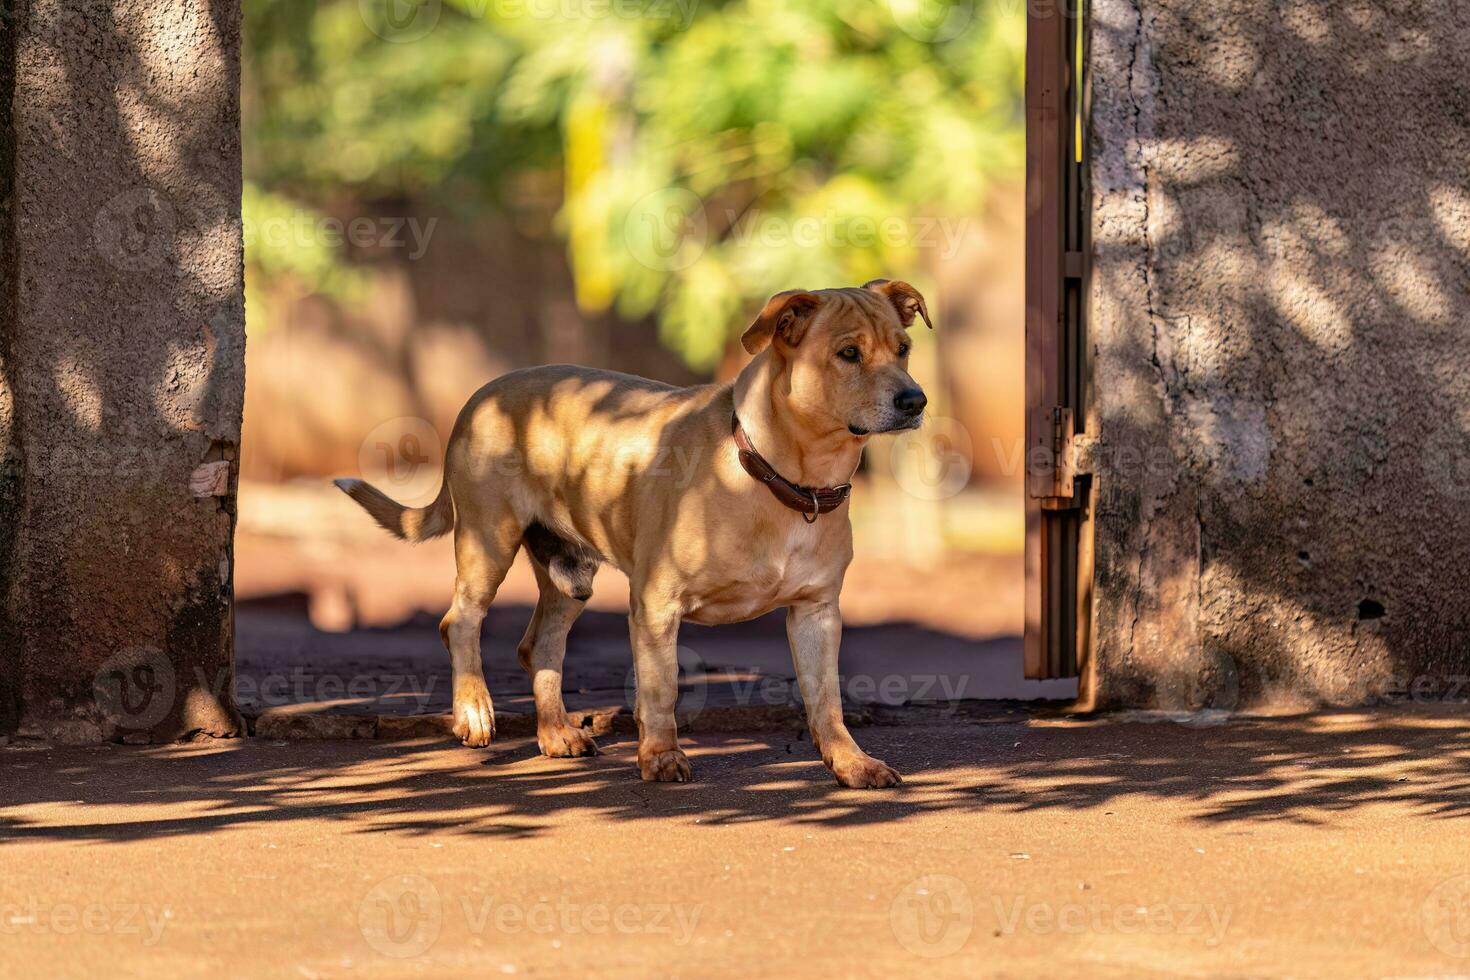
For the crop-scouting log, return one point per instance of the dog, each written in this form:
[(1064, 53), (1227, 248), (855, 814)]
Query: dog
[(720, 503)]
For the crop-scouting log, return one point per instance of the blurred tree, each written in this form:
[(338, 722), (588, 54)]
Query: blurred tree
[(705, 155)]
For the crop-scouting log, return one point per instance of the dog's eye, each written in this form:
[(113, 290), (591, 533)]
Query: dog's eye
[(850, 354), (903, 350)]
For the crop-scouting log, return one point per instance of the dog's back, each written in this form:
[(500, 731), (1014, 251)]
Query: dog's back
[(550, 429)]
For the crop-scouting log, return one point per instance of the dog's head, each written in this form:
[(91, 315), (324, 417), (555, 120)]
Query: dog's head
[(845, 354)]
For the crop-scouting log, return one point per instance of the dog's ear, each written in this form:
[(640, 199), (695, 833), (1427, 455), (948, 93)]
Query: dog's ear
[(786, 315), (905, 299)]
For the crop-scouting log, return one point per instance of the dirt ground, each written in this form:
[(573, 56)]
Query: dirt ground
[(1322, 845), (1022, 843)]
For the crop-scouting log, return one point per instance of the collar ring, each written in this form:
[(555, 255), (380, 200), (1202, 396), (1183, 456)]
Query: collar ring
[(816, 509)]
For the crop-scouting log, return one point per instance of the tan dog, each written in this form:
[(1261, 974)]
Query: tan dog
[(583, 467)]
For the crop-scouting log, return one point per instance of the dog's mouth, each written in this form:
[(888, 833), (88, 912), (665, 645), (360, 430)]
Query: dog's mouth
[(907, 424), (901, 426)]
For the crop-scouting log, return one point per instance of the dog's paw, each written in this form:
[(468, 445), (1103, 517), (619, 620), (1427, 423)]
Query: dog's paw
[(474, 718), (865, 772), (665, 767), (565, 742)]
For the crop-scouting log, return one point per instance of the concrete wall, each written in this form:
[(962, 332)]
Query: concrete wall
[(1282, 375), (121, 365)]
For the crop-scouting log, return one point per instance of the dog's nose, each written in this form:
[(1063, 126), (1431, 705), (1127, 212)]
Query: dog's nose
[(910, 401)]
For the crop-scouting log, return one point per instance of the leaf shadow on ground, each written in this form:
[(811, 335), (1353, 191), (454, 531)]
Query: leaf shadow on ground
[(1306, 769)]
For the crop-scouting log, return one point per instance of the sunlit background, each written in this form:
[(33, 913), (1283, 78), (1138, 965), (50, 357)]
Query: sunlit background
[(438, 192)]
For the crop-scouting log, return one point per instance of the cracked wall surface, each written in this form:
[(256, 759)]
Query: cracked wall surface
[(1279, 307), (121, 366)]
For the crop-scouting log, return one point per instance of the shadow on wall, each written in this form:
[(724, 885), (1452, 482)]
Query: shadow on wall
[(123, 353), (12, 459), (1282, 277)]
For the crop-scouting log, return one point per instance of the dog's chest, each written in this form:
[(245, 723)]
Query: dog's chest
[(765, 576)]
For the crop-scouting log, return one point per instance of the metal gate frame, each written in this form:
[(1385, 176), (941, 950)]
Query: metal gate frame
[(1059, 498)]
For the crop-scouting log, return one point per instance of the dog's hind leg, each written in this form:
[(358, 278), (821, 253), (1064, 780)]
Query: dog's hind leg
[(482, 556), (541, 653)]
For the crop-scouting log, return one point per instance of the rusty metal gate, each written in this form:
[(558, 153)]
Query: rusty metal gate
[(1059, 498)]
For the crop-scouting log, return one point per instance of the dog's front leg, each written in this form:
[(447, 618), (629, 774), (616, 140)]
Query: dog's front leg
[(654, 630), (815, 631)]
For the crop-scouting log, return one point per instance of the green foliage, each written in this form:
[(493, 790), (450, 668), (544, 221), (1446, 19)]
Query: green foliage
[(708, 154)]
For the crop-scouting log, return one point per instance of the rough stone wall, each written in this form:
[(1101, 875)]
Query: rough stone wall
[(121, 365), (1279, 311)]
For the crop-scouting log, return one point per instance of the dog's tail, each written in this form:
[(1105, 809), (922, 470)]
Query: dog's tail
[(409, 523)]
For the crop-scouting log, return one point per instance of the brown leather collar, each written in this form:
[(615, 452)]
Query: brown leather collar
[(812, 502)]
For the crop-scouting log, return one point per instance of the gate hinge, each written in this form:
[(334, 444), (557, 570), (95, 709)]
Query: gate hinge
[(1051, 454)]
